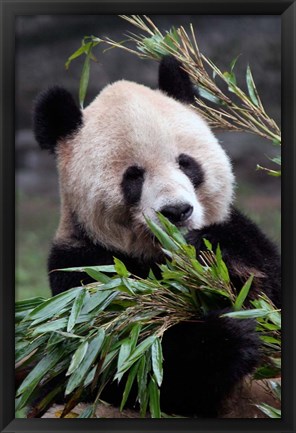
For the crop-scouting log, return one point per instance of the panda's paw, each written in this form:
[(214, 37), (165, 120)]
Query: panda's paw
[(204, 361), (235, 343)]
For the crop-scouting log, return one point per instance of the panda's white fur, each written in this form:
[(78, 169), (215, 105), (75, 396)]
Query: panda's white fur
[(130, 124)]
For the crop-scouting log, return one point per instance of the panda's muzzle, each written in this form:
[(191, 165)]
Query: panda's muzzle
[(177, 214)]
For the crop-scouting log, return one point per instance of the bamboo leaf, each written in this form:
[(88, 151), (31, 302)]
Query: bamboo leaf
[(134, 335), (125, 350), (120, 268), (77, 357), (92, 352), (53, 305), (81, 50), (247, 314), (97, 275), (276, 389), (208, 244), (99, 300), (53, 325), (28, 304), (243, 294), (251, 87), (137, 353), (24, 351), (84, 79), (90, 376), (231, 81), (162, 236), (142, 378), (154, 399), (87, 412), (129, 383), (171, 229), (157, 359), (37, 373), (270, 411), (76, 309), (233, 62), (206, 94), (221, 267), (266, 372)]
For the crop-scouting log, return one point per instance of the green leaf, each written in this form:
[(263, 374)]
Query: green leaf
[(171, 39), (243, 294), (276, 389), (231, 81), (108, 360), (134, 335), (120, 268), (247, 314), (95, 273), (137, 353), (28, 304), (54, 339), (233, 62), (100, 299), (221, 267), (84, 79), (270, 411), (142, 378), (77, 357), (90, 376), (125, 350), (24, 351), (171, 229), (92, 352), (53, 325), (87, 412), (129, 383), (266, 372), (209, 96), (277, 160), (81, 50), (162, 236), (270, 340), (154, 399), (76, 309), (53, 305), (251, 87), (37, 373), (208, 244), (157, 359)]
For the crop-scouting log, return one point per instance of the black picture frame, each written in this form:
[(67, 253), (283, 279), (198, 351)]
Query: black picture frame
[(9, 10)]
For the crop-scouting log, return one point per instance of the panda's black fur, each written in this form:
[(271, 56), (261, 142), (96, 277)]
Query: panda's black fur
[(203, 360)]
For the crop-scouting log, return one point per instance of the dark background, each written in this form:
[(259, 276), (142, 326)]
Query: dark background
[(43, 44)]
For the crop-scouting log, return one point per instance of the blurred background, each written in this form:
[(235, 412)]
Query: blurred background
[(43, 44)]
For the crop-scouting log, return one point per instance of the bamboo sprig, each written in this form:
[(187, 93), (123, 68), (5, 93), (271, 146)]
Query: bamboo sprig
[(245, 112), (90, 335), (250, 116)]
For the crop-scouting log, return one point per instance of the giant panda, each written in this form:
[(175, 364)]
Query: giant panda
[(135, 151)]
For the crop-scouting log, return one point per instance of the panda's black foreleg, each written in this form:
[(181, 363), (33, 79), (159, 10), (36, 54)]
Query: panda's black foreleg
[(203, 361)]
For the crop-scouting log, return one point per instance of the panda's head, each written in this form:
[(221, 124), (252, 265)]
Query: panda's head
[(131, 153)]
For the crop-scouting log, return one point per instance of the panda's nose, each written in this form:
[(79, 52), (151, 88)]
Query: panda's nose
[(177, 214)]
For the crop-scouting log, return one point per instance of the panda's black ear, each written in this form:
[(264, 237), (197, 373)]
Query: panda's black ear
[(55, 116), (174, 81)]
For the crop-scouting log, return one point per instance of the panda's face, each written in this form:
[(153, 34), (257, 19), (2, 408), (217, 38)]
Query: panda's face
[(140, 152)]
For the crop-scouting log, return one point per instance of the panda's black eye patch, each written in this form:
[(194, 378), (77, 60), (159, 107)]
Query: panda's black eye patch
[(132, 183), (191, 168)]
